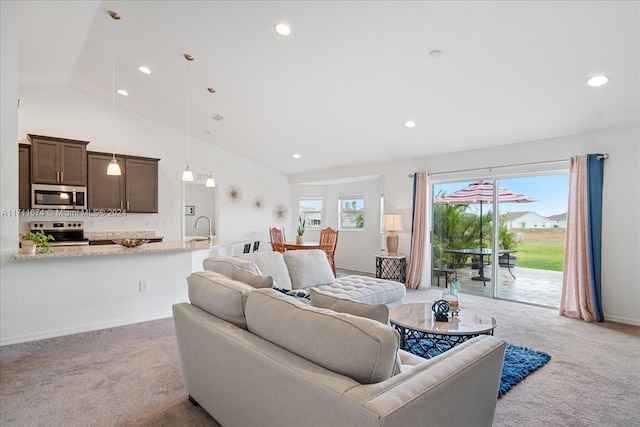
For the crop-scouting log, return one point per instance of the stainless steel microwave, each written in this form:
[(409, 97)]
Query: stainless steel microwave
[(45, 196)]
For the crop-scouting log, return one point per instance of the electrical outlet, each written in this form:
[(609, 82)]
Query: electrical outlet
[(144, 286)]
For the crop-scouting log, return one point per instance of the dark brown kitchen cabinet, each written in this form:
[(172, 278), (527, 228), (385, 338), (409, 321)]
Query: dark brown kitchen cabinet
[(135, 191), (58, 160), (24, 176)]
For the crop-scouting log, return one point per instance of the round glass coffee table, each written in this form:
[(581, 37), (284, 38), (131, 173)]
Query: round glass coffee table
[(422, 335)]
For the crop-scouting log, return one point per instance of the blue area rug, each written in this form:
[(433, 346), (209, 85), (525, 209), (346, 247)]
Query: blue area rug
[(519, 362)]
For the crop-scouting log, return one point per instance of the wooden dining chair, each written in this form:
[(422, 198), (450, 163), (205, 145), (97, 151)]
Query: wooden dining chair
[(277, 239), (328, 243)]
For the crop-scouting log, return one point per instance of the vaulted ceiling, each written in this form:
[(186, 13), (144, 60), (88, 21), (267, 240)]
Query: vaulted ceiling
[(338, 90)]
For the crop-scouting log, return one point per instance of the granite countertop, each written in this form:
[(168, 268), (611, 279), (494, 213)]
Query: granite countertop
[(91, 250), (111, 235)]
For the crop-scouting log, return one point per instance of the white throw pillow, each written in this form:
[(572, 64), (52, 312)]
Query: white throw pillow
[(308, 268), (251, 279)]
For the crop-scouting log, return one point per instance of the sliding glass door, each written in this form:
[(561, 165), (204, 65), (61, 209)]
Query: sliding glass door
[(462, 234), (518, 255)]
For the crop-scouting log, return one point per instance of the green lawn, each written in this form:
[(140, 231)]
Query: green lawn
[(542, 257), (542, 249)]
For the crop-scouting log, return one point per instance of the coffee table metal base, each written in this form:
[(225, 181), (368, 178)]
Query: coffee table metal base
[(427, 344)]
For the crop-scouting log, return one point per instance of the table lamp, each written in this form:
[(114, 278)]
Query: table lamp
[(392, 223)]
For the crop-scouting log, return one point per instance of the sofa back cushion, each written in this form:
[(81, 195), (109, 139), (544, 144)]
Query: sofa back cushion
[(360, 348), (308, 268), (226, 264), (271, 264), (220, 296)]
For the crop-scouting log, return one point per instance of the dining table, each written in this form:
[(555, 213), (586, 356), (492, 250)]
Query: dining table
[(291, 246), (482, 253)]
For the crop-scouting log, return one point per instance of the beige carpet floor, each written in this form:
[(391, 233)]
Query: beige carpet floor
[(130, 375)]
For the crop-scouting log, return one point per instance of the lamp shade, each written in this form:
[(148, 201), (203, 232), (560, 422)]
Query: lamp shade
[(187, 175), (392, 223), (114, 168)]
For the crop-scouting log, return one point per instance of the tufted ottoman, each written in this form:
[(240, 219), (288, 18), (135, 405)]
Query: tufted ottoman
[(365, 289)]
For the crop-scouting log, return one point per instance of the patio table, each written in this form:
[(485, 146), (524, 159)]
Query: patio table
[(484, 252)]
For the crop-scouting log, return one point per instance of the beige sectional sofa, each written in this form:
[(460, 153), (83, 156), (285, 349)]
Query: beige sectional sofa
[(259, 357), (302, 270)]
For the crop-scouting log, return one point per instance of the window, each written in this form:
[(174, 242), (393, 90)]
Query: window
[(310, 208), (351, 213)]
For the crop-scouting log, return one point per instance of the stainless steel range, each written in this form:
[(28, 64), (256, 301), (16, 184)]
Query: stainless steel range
[(65, 233)]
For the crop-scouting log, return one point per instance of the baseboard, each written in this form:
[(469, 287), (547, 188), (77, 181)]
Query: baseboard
[(618, 319), (85, 328), (352, 268)]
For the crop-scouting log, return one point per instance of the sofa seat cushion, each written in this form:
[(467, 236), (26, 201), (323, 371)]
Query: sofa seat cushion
[(270, 264), (366, 289), (308, 268), (219, 295), (359, 348)]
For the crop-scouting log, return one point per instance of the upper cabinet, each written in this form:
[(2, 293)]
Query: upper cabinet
[(58, 160), (136, 190)]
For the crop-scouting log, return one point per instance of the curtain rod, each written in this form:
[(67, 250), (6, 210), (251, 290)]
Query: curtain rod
[(490, 168)]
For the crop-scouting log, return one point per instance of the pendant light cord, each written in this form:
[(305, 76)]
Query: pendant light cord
[(113, 88), (210, 136), (188, 97)]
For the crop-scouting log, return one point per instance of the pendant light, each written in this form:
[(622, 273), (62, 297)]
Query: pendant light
[(114, 167), (210, 181), (187, 175)]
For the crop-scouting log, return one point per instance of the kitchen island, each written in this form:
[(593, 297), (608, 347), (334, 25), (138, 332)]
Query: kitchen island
[(83, 288)]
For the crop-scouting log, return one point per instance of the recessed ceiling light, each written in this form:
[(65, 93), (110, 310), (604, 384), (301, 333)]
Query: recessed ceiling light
[(144, 69), (409, 124), (435, 54), (123, 92), (597, 80), (283, 29), (297, 156)]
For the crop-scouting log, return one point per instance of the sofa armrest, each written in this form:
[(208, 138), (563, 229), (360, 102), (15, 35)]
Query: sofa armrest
[(459, 387)]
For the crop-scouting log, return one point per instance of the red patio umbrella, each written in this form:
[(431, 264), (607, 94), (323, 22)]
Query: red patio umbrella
[(482, 192)]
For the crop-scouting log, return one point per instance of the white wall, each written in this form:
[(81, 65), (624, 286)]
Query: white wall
[(620, 237), (356, 250), (44, 298)]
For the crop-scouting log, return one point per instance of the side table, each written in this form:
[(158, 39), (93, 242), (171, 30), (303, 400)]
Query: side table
[(391, 267)]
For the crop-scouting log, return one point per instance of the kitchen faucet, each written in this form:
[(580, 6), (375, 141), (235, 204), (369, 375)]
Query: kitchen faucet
[(209, 221)]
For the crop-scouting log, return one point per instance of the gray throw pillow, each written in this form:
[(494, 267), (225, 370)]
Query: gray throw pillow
[(251, 279), (379, 312)]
